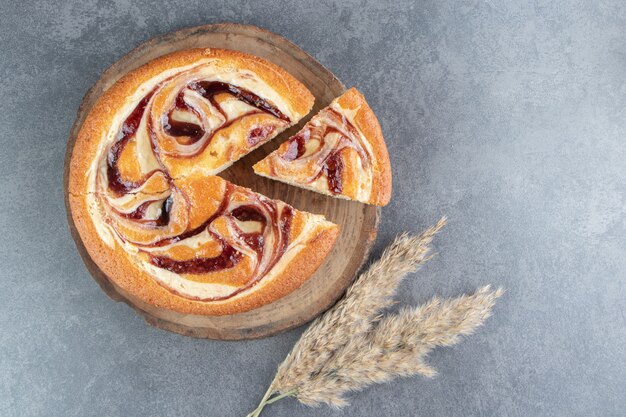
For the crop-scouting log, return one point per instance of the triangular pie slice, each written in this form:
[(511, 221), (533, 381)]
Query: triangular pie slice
[(151, 212), (340, 152)]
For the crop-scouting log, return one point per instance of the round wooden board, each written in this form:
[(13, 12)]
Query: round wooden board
[(358, 222)]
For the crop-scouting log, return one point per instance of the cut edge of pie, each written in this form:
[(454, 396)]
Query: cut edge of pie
[(340, 152)]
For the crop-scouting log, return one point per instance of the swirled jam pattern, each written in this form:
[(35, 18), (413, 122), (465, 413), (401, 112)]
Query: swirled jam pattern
[(152, 187)]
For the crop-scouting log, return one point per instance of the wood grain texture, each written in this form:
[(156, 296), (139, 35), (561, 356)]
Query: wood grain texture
[(358, 222)]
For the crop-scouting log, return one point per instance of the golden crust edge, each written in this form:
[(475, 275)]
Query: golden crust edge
[(368, 124)]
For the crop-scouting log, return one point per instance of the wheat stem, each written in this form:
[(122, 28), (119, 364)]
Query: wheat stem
[(266, 401), (281, 396), (257, 411)]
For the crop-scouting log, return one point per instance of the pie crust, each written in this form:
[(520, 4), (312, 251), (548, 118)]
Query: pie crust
[(147, 203)]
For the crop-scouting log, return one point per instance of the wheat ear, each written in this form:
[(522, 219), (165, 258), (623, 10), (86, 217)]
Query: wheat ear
[(397, 346), (353, 345), (356, 312)]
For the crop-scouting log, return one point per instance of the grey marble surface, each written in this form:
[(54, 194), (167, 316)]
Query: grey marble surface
[(509, 117)]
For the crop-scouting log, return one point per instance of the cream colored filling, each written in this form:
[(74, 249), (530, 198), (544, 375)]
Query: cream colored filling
[(146, 158), (185, 116), (154, 210), (106, 233), (311, 146), (249, 226), (193, 242), (211, 117), (187, 287), (130, 202), (235, 108)]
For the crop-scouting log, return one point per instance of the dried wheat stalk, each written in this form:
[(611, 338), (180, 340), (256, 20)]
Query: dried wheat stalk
[(396, 347), (353, 345)]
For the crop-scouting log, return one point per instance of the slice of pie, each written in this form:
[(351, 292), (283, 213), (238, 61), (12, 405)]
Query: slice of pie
[(147, 204), (340, 152)]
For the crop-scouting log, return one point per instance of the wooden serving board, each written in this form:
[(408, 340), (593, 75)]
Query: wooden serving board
[(358, 222)]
